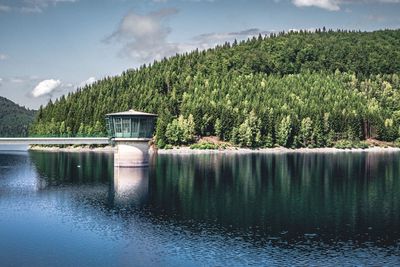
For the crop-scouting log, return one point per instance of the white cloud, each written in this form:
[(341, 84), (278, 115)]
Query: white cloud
[(17, 80), (89, 81), (46, 87), (32, 6), (21, 79), (144, 37), (4, 8), (3, 57), (332, 5), (165, 1), (335, 5), (68, 85)]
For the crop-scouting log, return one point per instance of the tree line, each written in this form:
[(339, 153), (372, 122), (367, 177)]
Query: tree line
[(14, 119), (295, 89)]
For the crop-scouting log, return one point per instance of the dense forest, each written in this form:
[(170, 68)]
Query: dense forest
[(296, 89), (14, 119)]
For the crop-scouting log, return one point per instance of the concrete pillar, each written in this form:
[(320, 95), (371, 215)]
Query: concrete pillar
[(131, 154)]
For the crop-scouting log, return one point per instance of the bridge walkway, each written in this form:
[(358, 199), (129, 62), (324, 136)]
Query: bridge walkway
[(54, 141)]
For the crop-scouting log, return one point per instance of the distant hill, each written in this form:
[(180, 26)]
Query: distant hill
[(296, 89), (14, 119)]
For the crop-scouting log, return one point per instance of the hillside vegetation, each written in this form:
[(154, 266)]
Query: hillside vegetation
[(297, 89), (14, 119)]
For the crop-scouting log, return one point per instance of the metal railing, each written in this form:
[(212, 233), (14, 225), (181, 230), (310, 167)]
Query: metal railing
[(54, 141)]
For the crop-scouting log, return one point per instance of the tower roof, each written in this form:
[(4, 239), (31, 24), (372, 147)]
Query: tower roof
[(132, 112)]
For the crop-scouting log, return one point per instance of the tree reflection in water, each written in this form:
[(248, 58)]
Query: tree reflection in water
[(287, 197)]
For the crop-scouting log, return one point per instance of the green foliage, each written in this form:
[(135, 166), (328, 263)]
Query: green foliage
[(62, 130), (306, 132), (164, 118), (180, 131), (397, 142), (294, 89), (248, 134), (205, 146), (268, 141), (161, 143), (349, 144), (284, 131), (14, 120), (218, 128), (390, 130), (344, 144), (168, 146), (363, 145), (81, 130), (98, 129), (69, 132)]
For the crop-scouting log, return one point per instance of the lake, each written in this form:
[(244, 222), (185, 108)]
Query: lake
[(75, 209)]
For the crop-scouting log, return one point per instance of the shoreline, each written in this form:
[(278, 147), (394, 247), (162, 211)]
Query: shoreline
[(278, 150), (71, 149), (233, 150)]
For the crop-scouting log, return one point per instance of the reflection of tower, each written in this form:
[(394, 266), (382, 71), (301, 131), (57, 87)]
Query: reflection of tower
[(131, 185)]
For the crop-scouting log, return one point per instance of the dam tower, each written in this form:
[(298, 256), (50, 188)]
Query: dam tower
[(130, 132)]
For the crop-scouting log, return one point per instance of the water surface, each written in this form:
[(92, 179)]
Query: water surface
[(75, 209)]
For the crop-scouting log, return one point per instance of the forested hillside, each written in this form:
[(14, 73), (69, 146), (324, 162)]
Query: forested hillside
[(294, 89), (14, 120)]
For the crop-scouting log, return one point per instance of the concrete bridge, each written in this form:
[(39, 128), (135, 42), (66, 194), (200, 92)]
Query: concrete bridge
[(129, 131), (55, 141)]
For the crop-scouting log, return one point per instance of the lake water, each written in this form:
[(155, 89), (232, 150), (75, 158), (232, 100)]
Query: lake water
[(75, 209)]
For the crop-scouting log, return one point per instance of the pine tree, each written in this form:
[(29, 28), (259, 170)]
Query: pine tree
[(62, 130), (284, 131), (81, 130), (306, 132)]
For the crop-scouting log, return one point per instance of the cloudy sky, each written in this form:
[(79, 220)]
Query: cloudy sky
[(51, 47)]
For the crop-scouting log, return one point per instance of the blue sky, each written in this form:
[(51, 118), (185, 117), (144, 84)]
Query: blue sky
[(50, 47)]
